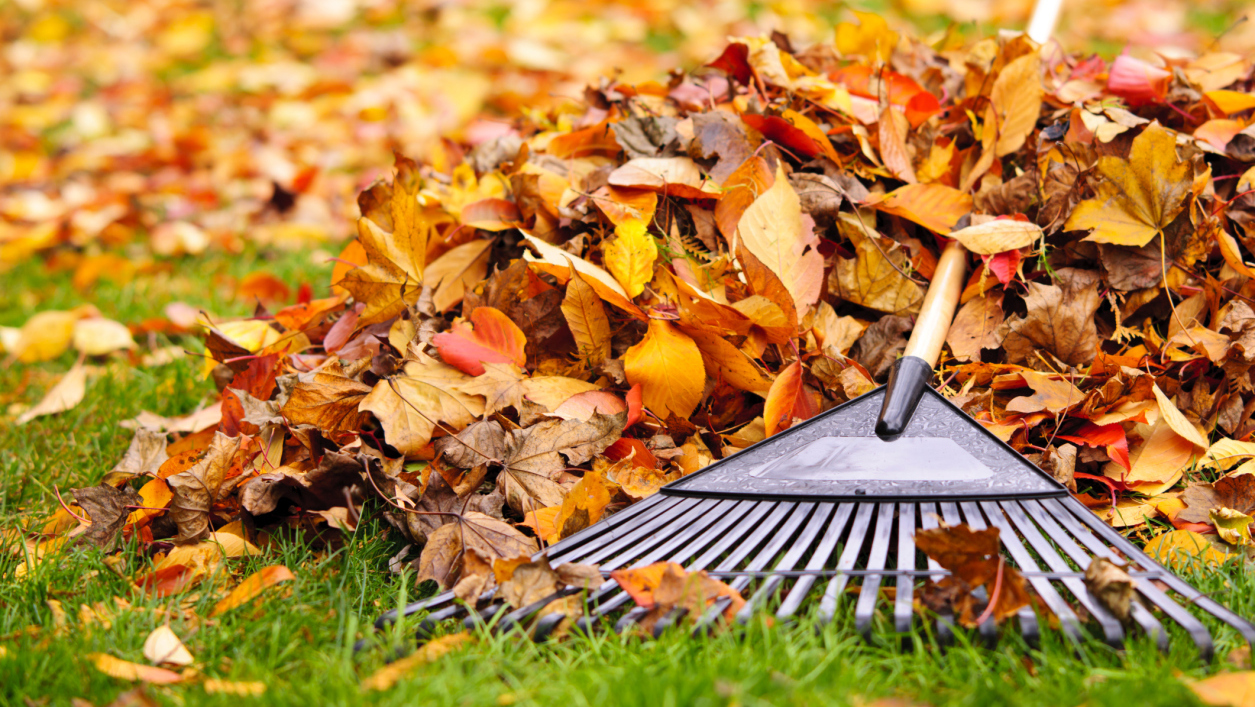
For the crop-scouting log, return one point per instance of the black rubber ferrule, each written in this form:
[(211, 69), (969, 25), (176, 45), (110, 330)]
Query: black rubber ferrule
[(907, 380)]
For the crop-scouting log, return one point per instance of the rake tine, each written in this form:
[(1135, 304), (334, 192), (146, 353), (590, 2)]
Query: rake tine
[(819, 521), (706, 623), (775, 544), (632, 617), (1198, 633), (950, 513), (905, 584), (869, 592), (818, 560), (633, 515), (1054, 601), (609, 541), (428, 625), (928, 520), (483, 617), (1140, 614), (1113, 632), (751, 513), (988, 628), (849, 556), (1045, 514)]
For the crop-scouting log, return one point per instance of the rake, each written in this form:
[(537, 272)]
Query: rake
[(834, 502)]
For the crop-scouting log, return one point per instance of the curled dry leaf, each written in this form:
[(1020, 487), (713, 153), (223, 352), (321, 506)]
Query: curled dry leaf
[(1112, 586), (163, 646), (65, 395)]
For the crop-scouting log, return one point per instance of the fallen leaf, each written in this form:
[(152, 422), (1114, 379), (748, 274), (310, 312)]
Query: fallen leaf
[(214, 686), (125, 670), (430, 652), (490, 338), (668, 366), (1112, 586), (977, 326), (1060, 319), (874, 276), (630, 256), (586, 317), (196, 490), (772, 229), (410, 406), (163, 646), (1185, 550), (252, 587), (1135, 198), (997, 236), (788, 400), (65, 395), (1226, 689)]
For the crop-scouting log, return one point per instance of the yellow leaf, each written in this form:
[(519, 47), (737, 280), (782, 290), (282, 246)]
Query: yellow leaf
[(997, 236), (1138, 197), (163, 646), (67, 393), (252, 587), (871, 37), (1015, 103), (630, 256), (99, 336), (586, 317), (669, 367), (126, 670), (1226, 453), (1177, 421), (771, 229), (1227, 689), (1230, 102), (387, 676), (870, 278), (1184, 550), (45, 336), (231, 687), (559, 263)]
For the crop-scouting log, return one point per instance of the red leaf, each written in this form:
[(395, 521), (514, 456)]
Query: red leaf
[(625, 447), (167, 581), (782, 132), (1004, 265), (788, 400), (734, 61), (491, 337), (1111, 437), (635, 404)]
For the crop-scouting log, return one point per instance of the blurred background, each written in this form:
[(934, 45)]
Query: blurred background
[(163, 127)]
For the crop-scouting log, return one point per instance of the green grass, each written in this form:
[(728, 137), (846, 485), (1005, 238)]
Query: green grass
[(298, 640)]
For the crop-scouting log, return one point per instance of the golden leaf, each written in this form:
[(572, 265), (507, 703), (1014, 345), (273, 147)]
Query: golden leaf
[(1138, 197), (630, 256), (586, 317), (669, 367), (772, 230), (409, 406)]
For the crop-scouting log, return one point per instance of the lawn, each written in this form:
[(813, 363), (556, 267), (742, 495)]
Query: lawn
[(298, 640)]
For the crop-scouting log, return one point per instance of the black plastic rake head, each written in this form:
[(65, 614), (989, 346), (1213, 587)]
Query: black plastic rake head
[(797, 520)]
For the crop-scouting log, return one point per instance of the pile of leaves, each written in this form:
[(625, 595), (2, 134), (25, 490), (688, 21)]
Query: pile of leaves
[(536, 329)]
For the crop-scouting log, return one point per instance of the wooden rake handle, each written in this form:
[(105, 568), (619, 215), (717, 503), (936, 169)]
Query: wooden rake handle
[(912, 373)]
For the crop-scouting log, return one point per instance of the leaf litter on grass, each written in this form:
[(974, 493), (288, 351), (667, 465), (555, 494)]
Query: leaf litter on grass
[(542, 323)]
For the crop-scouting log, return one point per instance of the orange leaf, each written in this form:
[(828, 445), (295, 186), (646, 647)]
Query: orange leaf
[(126, 670), (933, 206), (252, 587), (168, 581), (788, 400), (669, 368), (641, 582), (491, 338)]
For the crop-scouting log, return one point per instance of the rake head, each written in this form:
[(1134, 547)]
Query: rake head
[(804, 516)]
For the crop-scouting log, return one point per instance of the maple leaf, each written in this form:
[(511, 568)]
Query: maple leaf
[(1137, 198), (973, 558), (1060, 319), (197, 489), (106, 506), (409, 406), (443, 555), (534, 459), (874, 277), (327, 398)]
